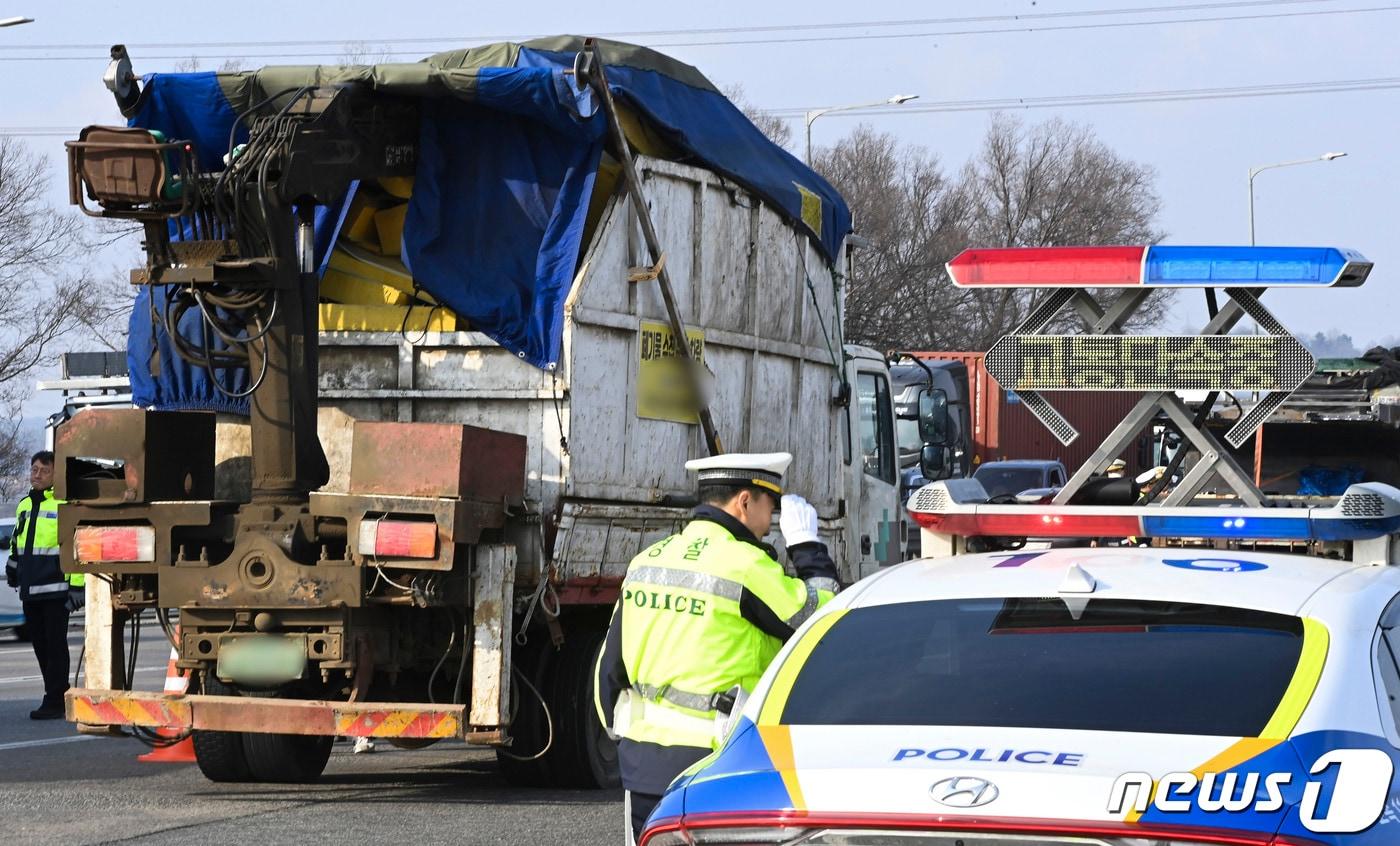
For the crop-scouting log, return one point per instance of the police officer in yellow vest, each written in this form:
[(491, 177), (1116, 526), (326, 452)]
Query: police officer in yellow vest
[(48, 596), (701, 616)]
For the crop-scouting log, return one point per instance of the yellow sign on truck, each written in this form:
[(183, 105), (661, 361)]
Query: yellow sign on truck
[(663, 391)]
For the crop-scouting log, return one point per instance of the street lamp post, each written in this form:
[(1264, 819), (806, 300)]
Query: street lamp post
[(816, 113), (1253, 172), (15, 21)]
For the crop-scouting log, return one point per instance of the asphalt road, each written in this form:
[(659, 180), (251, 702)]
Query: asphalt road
[(63, 788)]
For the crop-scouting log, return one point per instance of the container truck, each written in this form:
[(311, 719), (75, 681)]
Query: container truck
[(419, 529)]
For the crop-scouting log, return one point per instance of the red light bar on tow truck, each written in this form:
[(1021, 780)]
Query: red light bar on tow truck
[(959, 507)]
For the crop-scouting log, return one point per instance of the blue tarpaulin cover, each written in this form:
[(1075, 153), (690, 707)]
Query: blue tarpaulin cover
[(509, 151)]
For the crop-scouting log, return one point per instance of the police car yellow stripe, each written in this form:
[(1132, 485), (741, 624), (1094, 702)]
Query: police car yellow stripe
[(1300, 688), (778, 741), (776, 701)]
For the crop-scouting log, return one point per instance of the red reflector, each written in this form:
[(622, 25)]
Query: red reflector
[(114, 543), (398, 539)]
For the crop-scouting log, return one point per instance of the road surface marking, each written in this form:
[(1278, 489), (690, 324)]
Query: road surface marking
[(18, 679), (50, 741)]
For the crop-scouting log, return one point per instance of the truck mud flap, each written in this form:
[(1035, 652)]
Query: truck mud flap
[(275, 716)]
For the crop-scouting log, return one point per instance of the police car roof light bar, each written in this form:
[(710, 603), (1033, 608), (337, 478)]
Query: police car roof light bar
[(1159, 266), (1366, 511)]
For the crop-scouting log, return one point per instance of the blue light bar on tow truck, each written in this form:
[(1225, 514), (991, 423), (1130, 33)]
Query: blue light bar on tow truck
[(958, 507)]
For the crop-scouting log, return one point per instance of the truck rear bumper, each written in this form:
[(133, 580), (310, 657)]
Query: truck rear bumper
[(274, 716)]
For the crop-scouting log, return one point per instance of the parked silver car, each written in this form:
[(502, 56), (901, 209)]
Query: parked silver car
[(11, 611)]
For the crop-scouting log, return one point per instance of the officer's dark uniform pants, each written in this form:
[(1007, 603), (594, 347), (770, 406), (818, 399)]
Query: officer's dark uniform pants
[(641, 805), (47, 623)]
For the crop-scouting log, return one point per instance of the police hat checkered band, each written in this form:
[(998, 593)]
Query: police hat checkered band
[(758, 478), (761, 469)]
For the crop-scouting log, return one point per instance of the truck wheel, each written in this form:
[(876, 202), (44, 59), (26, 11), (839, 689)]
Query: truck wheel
[(220, 753), (582, 754), (287, 758)]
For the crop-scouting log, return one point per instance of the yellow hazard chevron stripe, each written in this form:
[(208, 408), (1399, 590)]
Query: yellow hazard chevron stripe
[(119, 710), (397, 723)]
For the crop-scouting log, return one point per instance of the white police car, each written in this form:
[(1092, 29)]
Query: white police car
[(1116, 697)]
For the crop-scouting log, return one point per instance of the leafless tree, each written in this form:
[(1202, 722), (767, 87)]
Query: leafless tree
[(364, 53), (1052, 184), (912, 220), (193, 64), (777, 129), (51, 297)]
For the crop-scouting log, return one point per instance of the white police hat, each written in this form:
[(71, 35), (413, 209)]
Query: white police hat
[(761, 469)]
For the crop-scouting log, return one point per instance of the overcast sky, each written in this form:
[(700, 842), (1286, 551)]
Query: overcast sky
[(1202, 149)]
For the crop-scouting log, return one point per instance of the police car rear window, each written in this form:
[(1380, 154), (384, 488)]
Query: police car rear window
[(1128, 666)]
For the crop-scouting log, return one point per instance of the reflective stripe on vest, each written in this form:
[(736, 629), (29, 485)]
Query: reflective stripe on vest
[(687, 579), (694, 701), (45, 550), (51, 587)]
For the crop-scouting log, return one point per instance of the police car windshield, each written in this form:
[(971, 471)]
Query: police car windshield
[(1129, 666)]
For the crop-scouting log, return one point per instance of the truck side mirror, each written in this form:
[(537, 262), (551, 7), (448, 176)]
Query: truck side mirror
[(933, 417)]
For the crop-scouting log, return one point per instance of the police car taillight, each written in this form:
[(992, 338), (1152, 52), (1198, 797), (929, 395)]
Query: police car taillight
[(100, 544), (818, 829), (398, 539)]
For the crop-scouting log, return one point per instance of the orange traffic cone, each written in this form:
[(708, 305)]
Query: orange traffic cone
[(181, 752)]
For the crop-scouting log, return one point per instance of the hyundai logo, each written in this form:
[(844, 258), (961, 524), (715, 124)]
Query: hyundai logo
[(963, 792)]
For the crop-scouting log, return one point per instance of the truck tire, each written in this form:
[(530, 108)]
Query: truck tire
[(582, 754), (287, 758), (220, 753)]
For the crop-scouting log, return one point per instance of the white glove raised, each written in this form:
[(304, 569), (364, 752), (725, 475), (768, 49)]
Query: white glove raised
[(798, 521)]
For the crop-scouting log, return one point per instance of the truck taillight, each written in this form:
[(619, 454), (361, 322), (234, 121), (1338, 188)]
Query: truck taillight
[(93, 544), (398, 539)]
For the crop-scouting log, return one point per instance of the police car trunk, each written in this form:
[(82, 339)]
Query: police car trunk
[(1020, 698)]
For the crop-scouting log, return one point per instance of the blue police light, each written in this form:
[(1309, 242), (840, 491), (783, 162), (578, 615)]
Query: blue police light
[(1227, 527), (1169, 266)]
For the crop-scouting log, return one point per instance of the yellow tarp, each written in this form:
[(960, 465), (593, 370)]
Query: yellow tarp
[(337, 317)]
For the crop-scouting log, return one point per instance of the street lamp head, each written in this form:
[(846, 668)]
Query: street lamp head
[(1327, 157), (904, 98), (15, 21)]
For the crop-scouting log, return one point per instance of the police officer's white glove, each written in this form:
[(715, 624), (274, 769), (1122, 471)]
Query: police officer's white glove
[(798, 521)]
